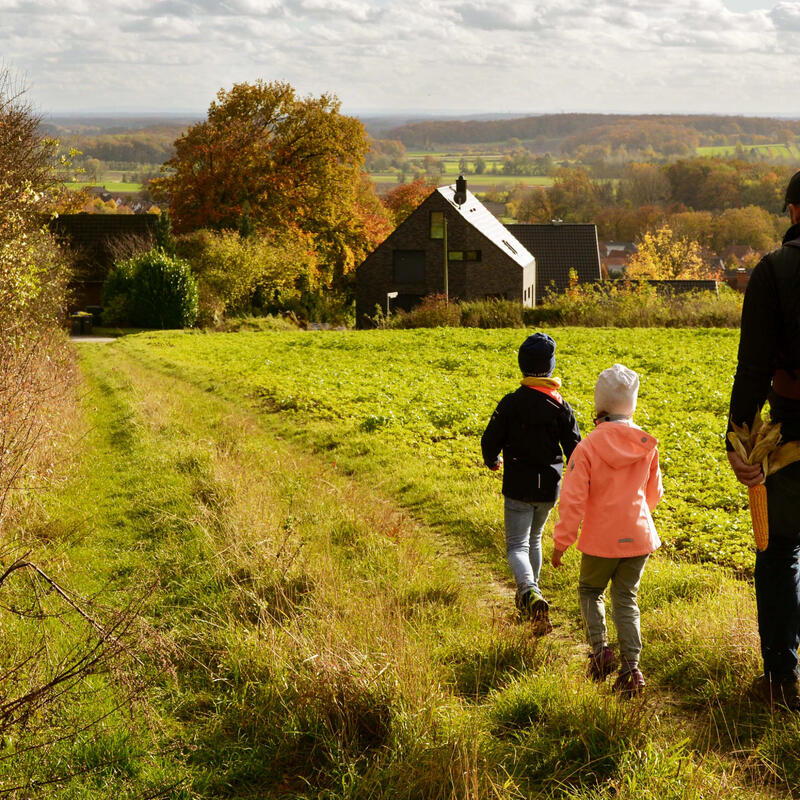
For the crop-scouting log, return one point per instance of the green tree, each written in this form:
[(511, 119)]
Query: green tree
[(644, 184), (574, 196), (231, 268), (751, 226), (153, 290)]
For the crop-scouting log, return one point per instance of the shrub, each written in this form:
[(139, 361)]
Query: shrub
[(433, 312), (609, 304), (151, 290), (236, 273), (492, 314), (626, 305)]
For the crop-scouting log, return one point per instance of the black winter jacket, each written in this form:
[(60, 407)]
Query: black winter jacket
[(532, 430), (769, 343)]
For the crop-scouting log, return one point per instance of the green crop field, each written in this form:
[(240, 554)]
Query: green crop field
[(776, 151), (415, 404), (450, 163), (110, 186)]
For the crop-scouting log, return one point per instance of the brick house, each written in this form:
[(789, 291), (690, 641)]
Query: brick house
[(559, 248), (94, 240), (484, 258)]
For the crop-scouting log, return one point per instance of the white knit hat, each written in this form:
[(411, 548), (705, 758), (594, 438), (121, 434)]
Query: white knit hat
[(616, 390)]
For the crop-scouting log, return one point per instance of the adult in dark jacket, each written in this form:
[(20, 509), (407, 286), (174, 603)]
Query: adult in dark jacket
[(534, 428), (769, 369)]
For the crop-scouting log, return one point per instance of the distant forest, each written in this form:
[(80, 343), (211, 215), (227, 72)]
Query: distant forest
[(574, 134), (584, 137)]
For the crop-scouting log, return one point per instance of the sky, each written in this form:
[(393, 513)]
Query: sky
[(433, 56)]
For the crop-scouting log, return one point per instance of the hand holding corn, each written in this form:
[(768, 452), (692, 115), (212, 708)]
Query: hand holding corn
[(760, 445)]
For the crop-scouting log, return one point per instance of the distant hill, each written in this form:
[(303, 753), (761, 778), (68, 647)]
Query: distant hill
[(146, 139), (666, 133)]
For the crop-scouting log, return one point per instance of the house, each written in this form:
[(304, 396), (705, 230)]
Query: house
[(96, 242), (560, 248), (483, 258), (614, 256)]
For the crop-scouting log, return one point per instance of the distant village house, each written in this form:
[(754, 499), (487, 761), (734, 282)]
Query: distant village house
[(485, 259)]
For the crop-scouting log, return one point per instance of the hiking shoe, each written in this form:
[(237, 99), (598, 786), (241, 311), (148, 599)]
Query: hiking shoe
[(776, 693), (532, 606), (601, 664), (629, 682)]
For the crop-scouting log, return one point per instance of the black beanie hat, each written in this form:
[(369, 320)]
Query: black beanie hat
[(792, 191), (537, 355)]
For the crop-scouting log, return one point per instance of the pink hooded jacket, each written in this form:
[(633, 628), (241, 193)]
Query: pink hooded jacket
[(611, 483)]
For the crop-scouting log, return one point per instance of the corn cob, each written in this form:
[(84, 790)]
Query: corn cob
[(761, 443), (754, 444), (758, 514)]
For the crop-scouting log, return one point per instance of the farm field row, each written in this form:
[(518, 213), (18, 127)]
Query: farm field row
[(111, 186), (408, 408), (779, 151), (475, 183)]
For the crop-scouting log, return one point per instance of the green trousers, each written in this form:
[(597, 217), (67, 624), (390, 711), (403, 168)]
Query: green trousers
[(625, 574)]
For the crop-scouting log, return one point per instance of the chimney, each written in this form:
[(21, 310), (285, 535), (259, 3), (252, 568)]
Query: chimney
[(460, 196)]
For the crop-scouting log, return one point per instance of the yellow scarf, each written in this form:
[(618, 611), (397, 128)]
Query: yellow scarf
[(543, 383)]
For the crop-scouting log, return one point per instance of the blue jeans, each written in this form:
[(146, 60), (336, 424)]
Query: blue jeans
[(777, 582), (524, 523)]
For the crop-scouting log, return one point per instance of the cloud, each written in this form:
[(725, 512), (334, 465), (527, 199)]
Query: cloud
[(786, 17), (638, 55)]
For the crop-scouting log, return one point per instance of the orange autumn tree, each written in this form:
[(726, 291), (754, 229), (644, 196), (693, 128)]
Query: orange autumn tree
[(405, 198), (268, 162)]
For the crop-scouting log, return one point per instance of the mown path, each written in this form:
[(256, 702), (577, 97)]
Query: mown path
[(319, 639)]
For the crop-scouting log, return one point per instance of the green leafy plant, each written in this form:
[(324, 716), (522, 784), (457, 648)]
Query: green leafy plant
[(151, 290)]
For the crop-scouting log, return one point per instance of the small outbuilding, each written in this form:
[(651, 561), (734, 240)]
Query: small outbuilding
[(451, 245)]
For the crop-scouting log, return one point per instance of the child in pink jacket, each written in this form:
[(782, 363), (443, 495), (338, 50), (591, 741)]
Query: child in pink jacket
[(611, 484)]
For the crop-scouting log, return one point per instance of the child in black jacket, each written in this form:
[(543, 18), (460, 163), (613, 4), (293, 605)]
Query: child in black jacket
[(535, 429)]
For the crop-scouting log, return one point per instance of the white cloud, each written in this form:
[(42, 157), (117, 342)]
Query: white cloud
[(481, 55), (786, 17)]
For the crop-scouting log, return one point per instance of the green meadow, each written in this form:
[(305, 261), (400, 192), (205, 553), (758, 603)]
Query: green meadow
[(769, 151), (314, 554)]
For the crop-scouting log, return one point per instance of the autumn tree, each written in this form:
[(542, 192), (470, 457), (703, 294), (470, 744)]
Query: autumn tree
[(750, 226), (574, 196), (644, 184), (664, 256), (33, 272), (266, 160), (405, 198)]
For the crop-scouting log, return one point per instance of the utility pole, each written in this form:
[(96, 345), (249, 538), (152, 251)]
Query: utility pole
[(446, 265)]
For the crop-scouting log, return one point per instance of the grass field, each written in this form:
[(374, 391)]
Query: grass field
[(111, 186), (325, 606), (773, 151), (483, 182), (475, 183)]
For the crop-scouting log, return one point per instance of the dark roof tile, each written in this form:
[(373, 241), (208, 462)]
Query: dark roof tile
[(559, 248)]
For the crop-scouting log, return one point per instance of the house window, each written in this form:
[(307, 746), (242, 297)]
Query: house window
[(408, 266), (464, 255), (437, 225)]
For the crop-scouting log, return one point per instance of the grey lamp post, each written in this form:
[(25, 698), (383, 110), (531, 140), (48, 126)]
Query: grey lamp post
[(389, 296)]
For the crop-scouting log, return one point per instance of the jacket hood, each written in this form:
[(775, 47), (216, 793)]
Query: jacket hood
[(620, 444)]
